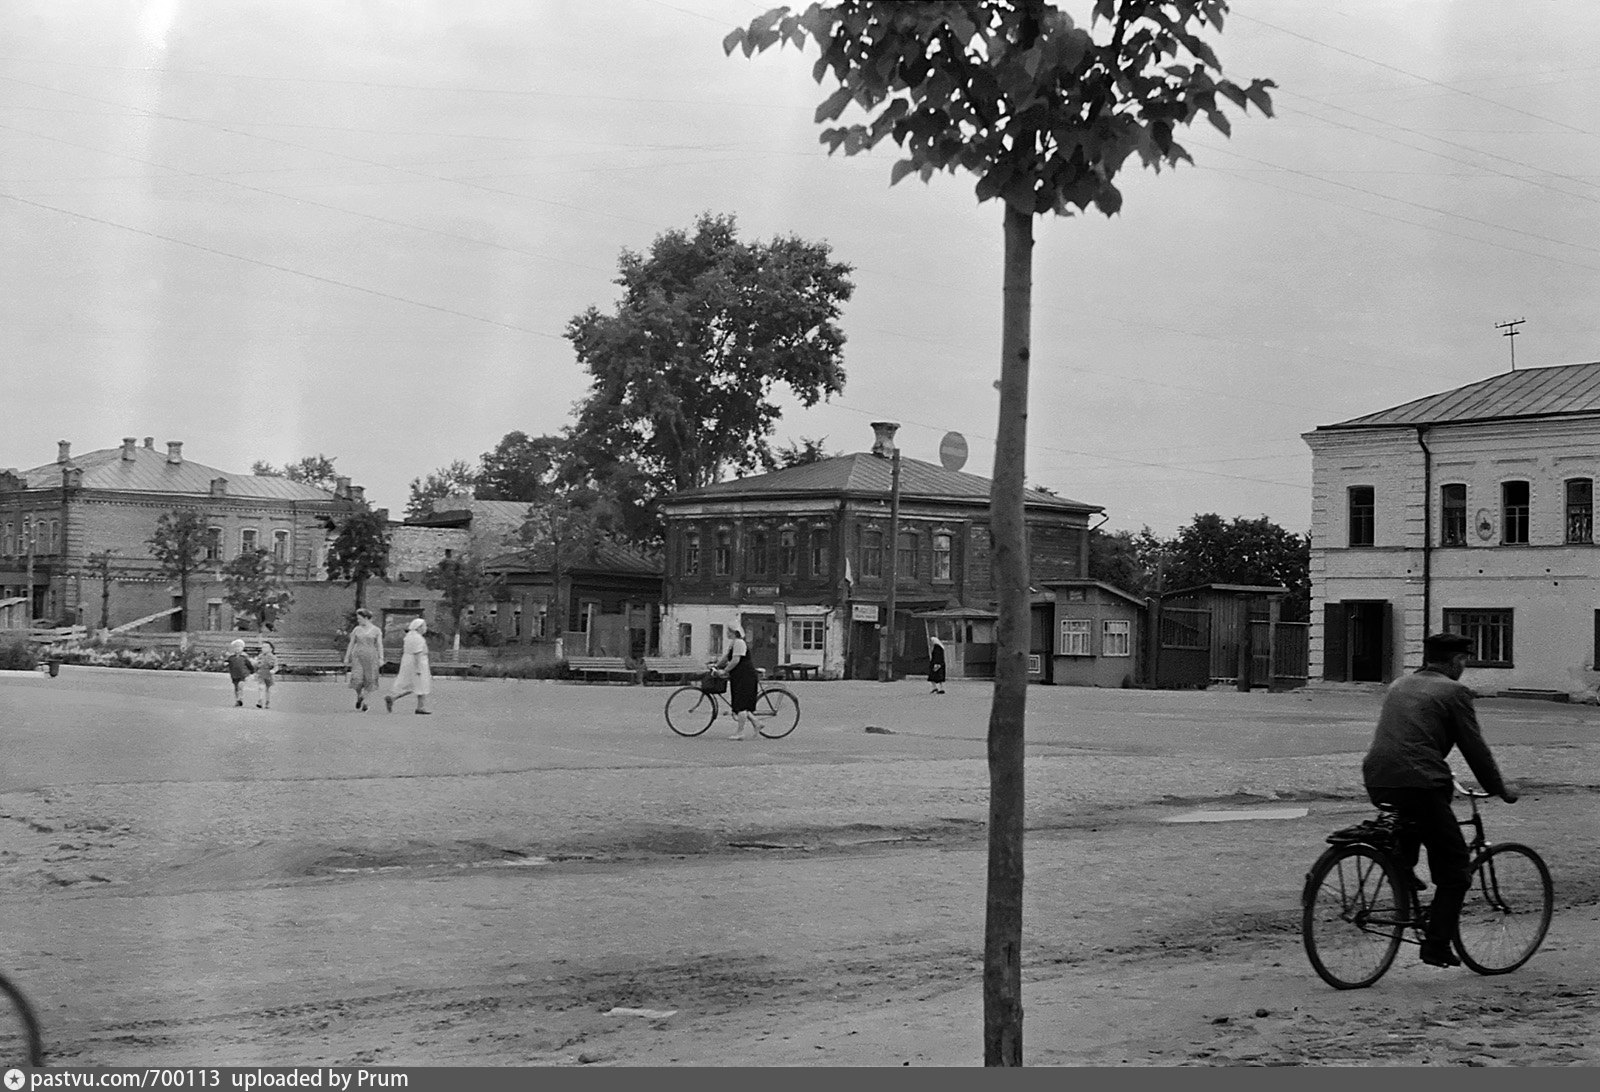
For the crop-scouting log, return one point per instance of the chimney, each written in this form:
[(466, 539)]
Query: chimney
[(127, 448), (358, 493), (341, 487), (174, 451), (219, 487), (883, 438), (149, 443), (63, 451)]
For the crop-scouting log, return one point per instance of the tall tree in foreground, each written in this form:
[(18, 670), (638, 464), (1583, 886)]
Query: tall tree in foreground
[(178, 545), (683, 371), (359, 550), (1044, 112), (462, 584), (256, 589)]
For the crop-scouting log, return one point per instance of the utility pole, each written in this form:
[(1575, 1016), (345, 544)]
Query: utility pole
[(1511, 332), (886, 631)]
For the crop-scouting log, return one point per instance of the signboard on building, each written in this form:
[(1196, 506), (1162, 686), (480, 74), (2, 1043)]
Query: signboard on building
[(863, 612), (758, 591)]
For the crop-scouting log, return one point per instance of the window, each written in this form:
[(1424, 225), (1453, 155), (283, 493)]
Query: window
[(1453, 515), (1074, 639), (1362, 507), (755, 559), (247, 540), (906, 557), (1580, 510), (941, 557), (724, 553), (213, 544), (516, 622), (819, 551), (806, 634), (1115, 638), (872, 554), (788, 554), (5, 540), (1514, 513), (691, 553), (716, 639), (685, 639), (213, 614), (280, 546), (1490, 631), (55, 536)]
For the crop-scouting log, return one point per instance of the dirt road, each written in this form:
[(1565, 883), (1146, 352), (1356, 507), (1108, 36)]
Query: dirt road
[(542, 874)]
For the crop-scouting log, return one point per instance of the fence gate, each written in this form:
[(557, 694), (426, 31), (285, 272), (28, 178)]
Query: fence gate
[(1183, 648)]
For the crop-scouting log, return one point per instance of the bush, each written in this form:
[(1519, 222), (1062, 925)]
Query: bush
[(17, 654), (116, 654), (525, 668)]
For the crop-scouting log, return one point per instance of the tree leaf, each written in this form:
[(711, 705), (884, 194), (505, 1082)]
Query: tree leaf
[(733, 40), (901, 168), (834, 105), (1217, 118)]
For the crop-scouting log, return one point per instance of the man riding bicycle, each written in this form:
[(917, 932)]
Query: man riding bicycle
[(1424, 716)]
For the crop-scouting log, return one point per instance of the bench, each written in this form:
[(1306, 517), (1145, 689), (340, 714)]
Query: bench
[(299, 655), (674, 668), (798, 671), (603, 666)]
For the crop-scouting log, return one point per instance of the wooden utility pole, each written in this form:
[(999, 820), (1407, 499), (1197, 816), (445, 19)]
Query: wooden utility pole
[(1511, 332), (886, 631)]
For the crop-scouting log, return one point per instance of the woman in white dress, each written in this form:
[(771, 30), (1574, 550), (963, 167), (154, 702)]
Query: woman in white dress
[(414, 677)]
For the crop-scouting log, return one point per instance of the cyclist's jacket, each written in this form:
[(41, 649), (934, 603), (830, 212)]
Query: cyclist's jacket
[(1424, 716)]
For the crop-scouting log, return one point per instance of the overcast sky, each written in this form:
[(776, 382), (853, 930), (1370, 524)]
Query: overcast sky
[(359, 227)]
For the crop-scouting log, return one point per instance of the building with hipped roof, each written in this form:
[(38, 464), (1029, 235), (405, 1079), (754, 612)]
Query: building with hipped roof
[(799, 560), (54, 516), (1471, 511)]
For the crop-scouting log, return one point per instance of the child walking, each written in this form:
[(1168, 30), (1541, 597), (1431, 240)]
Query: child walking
[(264, 669), (239, 669)]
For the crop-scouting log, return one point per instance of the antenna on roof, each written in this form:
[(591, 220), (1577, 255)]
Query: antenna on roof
[(1511, 332)]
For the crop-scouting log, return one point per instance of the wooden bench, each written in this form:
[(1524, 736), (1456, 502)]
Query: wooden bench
[(674, 668), (798, 671), (299, 655), (603, 666)]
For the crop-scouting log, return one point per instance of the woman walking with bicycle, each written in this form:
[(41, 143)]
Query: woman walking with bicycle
[(1425, 715), (742, 682)]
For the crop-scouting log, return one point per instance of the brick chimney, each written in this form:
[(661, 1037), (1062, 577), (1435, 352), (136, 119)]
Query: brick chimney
[(63, 451), (127, 448), (883, 438), (341, 487), (358, 493), (174, 451), (149, 443), (219, 487)]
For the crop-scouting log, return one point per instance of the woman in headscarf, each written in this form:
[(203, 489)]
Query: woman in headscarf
[(364, 656), (414, 677), (936, 665), (742, 682)]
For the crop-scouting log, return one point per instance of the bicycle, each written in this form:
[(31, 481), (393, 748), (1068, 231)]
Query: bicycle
[(692, 709), (20, 1032), (1360, 903)]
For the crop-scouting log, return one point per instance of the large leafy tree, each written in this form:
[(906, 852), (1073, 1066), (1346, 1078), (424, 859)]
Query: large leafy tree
[(179, 545), (255, 588), (314, 470), (461, 582), (1211, 550), (567, 530), (520, 467), (1045, 112), (806, 449), (359, 550), (1127, 560), (684, 369), (459, 477)]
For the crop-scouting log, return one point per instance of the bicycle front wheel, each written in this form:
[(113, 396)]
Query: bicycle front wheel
[(1353, 915), (777, 712), (690, 710), (1507, 910), (20, 1037)]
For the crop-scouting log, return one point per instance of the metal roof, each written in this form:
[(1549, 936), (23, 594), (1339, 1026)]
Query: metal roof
[(865, 474), (1531, 392), (149, 471)]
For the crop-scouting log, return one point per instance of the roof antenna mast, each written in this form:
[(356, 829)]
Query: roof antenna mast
[(1511, 332)]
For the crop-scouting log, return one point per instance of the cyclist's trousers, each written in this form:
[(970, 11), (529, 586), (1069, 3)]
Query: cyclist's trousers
[(1433, 824)]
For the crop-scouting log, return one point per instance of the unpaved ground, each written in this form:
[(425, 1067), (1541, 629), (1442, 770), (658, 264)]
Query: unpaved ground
[(189, 884)]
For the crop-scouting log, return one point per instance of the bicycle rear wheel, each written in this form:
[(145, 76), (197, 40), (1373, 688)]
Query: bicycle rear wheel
[(20, 1037), (690, 710), (1507, 910), (1353, 913), (777, 712)]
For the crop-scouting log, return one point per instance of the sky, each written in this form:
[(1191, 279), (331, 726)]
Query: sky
[(359, 228)]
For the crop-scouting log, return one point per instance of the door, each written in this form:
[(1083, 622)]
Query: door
[(1370, 649), (1183, 648), (761, 636)]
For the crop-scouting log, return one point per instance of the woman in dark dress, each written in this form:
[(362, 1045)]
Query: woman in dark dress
[(936, 665), (742, 683)]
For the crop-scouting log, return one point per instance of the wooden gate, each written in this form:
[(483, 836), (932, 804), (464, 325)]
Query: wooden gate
[(1183, 648)]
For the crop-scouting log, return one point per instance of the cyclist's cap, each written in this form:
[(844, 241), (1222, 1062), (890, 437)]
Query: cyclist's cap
[(1442, 646)]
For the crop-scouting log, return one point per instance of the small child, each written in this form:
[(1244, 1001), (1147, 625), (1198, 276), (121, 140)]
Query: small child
[(239, 669), (264, 668)]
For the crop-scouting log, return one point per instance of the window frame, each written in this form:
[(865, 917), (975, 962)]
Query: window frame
[(872, 554), (1073, 637), (213, 544), (1515, 518), (1361, 528), (1476, 623), (690, 563), (1452, 518), (1122, 630), (280, 546), (249, 540), (906, 555), (788, 552), (942, 568), (808, 634), (757, 554), (722, 555), (1579, 517), (685, 638), (819, 551)]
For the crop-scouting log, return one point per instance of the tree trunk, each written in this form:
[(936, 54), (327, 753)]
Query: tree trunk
[(361, 592), (1002, 957)]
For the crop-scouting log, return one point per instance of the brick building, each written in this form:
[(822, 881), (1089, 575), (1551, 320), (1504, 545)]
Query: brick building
[(53, 517), (798, 558), (1470, 511)]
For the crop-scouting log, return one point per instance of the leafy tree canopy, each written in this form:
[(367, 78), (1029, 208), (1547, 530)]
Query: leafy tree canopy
[(683, 371), (254, 588), (462, 582), (458, 477), (178, 545), (314, 470), (359, 550), (1242, 551), (519, 468), (802, 451)]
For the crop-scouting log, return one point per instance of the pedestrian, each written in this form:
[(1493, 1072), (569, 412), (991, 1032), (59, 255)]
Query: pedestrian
[(742, 682), (415, 676), (1424, 716), (364, 656), (936, 665), (239, 669), (266, 664)]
